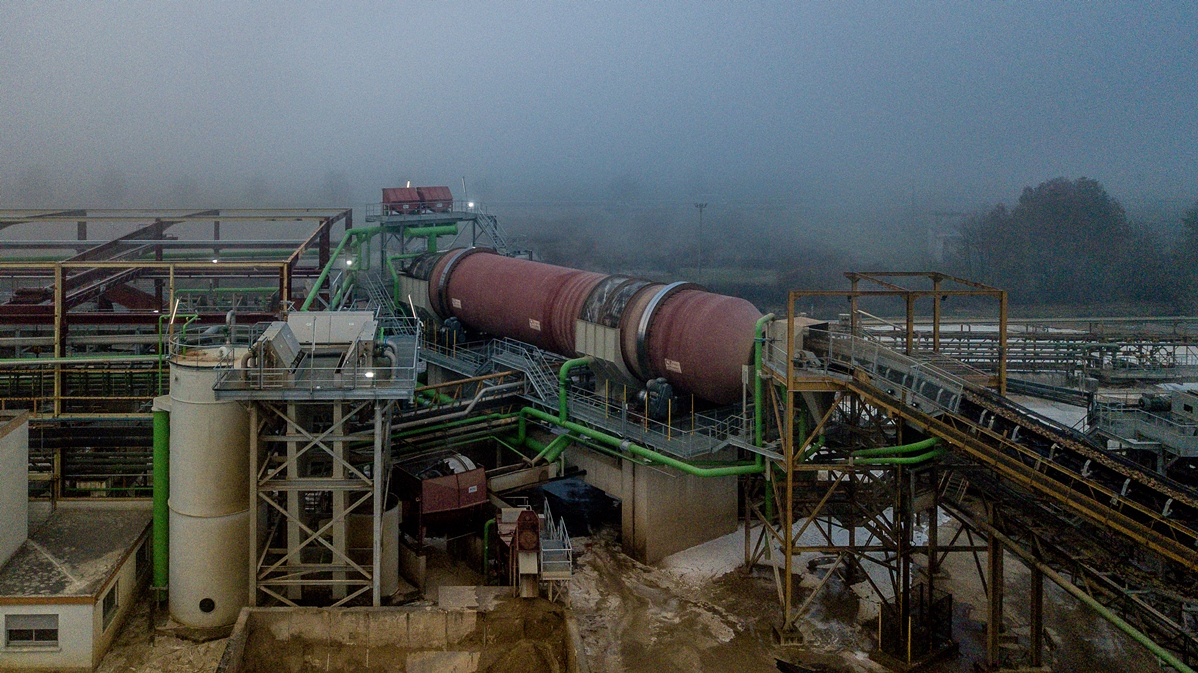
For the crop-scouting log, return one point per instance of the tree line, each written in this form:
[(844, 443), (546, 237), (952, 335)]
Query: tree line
[(1069, 242)]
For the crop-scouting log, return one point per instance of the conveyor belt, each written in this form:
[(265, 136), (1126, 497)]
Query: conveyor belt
[(1060, 464)]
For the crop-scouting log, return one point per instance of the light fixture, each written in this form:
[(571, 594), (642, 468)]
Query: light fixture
[(469, 204), (215, 260), (349, 262), (370, 375)]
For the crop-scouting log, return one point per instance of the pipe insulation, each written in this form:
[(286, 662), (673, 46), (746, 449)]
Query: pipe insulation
[(695, 339)]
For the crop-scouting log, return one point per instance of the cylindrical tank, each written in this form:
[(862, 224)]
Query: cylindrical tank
[(209, 499), (695, 339), (209, 568), (529, 301)]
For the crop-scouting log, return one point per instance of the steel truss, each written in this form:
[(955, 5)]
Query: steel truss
[(313, 468)]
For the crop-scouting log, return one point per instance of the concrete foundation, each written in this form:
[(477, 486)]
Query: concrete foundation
[(663, 511), (506, 635)]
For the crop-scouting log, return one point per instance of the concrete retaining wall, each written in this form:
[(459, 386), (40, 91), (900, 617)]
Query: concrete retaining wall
[(524, 636)]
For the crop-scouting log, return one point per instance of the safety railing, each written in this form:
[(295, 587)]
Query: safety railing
[(1129, 422), (557, 550), (374, 211), (370, 366), (827, 353)]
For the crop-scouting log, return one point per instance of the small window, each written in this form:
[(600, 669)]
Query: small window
[(31, 630), (143, 558), (110, 603), (1188, 408)]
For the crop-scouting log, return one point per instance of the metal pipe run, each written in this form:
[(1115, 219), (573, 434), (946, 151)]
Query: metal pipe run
[(732, 469), (563, 377), (907, 460), (758, 411), (903, 448), (162, 452), (352, 234), (1137, 635), (75, 360)]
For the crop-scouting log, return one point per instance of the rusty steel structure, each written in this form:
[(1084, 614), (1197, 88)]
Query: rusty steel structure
[(850, 442), (86, 321), (1121, 538)]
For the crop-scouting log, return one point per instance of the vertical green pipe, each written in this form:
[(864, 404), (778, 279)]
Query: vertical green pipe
[(758, 411), (563, 377), (162, 453), (487, 547), (758, 407)]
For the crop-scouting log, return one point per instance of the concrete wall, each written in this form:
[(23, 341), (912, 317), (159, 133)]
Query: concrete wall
[(128, 586), (416, 640), (14, 483), (663, 511), (75, 633)]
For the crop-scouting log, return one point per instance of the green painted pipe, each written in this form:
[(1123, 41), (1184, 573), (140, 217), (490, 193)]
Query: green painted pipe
[(352, 234), (162, 455), (436, 230), (907, 460), (440, 398), (1103, 611), (758, 397), (490, 524), (451, 424), (76, 360), (563, 377), (343, 291), (636, 450), (226, 290), (555, 448), (904, 448)]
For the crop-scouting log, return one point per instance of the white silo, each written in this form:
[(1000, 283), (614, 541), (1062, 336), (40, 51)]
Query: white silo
[(209, 494)]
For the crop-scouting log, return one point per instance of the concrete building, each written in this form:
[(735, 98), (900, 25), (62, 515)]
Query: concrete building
[(66, 585)]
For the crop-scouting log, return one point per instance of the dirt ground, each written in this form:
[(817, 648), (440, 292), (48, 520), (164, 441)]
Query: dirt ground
[(135, 651), (699, 611), (638, 618)]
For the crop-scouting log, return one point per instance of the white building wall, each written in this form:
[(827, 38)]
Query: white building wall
[(14, 488), (128, 586), (75, 632)]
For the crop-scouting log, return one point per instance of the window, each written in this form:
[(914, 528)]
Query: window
[(143, 558), (31, 630), (1188, 408), (110, 604)]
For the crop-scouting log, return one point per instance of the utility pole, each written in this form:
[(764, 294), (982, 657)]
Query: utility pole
[(699, 274)]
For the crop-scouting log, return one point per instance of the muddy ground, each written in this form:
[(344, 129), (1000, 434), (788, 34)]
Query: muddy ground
[(699, 611), (710, 615)]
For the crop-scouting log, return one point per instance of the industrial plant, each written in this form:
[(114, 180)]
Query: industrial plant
[(321, 439)]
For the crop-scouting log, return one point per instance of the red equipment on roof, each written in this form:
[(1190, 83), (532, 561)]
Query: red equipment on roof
[(401, 200), (436, 199)]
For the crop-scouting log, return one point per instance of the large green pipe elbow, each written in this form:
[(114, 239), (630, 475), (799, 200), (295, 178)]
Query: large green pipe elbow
[(162, 453), (563, 377), (350, 235)]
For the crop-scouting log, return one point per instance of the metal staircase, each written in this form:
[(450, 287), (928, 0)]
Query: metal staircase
[(536, 364), (489, 225)]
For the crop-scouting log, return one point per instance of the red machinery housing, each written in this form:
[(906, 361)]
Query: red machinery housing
[(438, 493), (412, 200), (436, 199), (401, 200)]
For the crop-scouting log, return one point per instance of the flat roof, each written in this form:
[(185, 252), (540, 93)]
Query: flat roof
[(74, 552)]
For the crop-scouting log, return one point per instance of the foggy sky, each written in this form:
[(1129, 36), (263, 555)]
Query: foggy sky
[(953, 104)]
